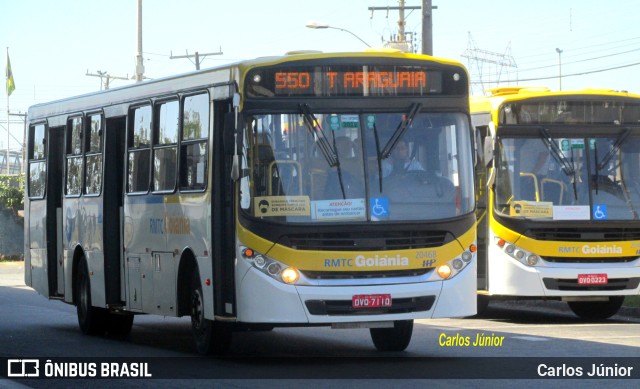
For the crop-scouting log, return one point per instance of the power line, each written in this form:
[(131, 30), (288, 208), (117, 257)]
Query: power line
[(581, 60), (105, 78), (198, 57), (564, 75)]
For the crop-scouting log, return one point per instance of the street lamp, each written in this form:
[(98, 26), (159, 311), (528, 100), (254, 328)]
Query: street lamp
[(559, 51), (319, 25)]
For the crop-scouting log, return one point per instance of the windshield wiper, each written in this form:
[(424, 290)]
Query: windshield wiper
[(616, 147), (399, 132), (316, 131), (567, 167), (338, 167), (607, 158), (377, 139)]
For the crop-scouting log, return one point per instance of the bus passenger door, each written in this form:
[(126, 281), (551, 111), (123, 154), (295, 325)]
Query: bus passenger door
[(223, 203), (113, 197), (54, 233)]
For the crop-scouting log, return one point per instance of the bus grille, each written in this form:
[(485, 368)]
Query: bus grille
[(572, 284), (342, 275), (589, 259), (356, 241), (584, 234), (344, 307)]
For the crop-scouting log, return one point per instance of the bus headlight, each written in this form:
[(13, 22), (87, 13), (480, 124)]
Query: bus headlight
[(444, 271), (517, 253), (290, 275), (269, 266), (456, 265)]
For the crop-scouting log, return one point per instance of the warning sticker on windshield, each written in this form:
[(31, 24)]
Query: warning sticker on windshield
[(282, 206), (338, 209), (531, 209)]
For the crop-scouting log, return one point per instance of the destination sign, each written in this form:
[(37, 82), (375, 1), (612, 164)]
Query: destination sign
[(339, 81)]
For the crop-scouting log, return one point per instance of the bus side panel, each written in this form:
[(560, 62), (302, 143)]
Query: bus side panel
[(144, 233), (206, 272), (90, 237), (38, 247)]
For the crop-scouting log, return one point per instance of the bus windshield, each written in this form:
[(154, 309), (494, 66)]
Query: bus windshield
[(323, 167), (576, 178)]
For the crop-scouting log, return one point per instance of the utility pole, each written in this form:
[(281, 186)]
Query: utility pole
[(106, 77), (559, 51), (401, 40), (427, 27), (139, 60), (198, 57)]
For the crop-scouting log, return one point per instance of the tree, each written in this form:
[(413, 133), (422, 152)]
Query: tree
[(12, 193)]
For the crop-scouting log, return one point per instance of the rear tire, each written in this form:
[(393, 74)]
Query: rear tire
[(211, 337), (597, 310), (396, 338), (119, 324), (92, 320)]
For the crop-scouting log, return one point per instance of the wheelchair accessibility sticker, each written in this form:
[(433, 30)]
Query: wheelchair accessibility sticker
[(379, 208), (600, 212)]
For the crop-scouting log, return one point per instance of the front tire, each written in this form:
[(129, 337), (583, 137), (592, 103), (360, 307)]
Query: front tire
[(211, 337), (597, 310), (482, 305), (396, 338), (92, 320)]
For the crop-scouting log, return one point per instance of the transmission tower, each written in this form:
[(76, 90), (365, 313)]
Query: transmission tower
[(495, 62)]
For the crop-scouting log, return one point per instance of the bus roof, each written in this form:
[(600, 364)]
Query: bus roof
[(500, 95), (215, 76)]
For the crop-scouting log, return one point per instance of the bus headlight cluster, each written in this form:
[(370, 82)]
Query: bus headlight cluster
[(515, 252), (269, 266), (455, 266)]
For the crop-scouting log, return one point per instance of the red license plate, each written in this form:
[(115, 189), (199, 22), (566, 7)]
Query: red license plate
[(371, 300), (593, 279)]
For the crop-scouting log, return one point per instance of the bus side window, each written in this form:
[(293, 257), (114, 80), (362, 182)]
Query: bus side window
[(194, 145), (138, 143), (73, 184), (166, 146), (37, 161), (93, 155)]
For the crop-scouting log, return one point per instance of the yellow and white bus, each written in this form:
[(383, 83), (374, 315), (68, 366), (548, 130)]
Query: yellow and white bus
[(558, 197), (259, 194)]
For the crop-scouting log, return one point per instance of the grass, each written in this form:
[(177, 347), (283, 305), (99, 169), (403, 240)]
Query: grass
[(632, 301), (11, 258)]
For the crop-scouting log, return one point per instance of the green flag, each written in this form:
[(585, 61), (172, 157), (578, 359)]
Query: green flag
[(11, 85)]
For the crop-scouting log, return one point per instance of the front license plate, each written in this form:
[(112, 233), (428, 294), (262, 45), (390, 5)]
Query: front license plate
[(593, 279), (371, 300)]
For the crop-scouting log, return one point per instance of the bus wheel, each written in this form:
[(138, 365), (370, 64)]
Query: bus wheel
[(393, 339), (91, 319), (211, 337), (119, 324), (597, 310), (483, 304)]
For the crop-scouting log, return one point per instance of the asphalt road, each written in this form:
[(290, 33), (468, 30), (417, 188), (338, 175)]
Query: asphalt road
[(525, 336)]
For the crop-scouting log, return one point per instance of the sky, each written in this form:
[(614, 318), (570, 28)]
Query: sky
[(53, 44)]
